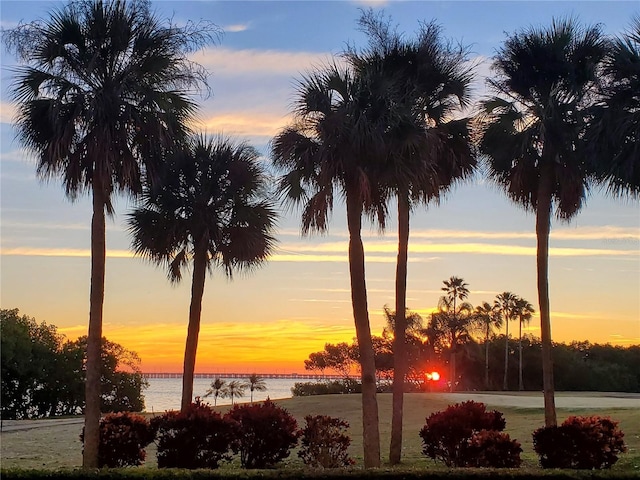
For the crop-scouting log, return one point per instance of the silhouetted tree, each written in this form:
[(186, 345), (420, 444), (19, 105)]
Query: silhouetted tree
[(101, 97)]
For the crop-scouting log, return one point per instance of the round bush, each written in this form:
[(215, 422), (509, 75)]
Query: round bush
[(265, 433), (196, 438)]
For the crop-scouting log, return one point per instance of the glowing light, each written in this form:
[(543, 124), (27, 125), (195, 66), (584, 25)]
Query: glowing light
[(433, 376)]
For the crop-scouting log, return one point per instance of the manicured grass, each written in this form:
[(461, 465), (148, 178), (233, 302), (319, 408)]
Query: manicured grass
[(58, 446)]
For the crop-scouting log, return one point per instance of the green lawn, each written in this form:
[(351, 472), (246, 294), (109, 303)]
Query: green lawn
[(58, 447)]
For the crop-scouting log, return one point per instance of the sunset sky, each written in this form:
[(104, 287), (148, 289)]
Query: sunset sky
[(270, 320)]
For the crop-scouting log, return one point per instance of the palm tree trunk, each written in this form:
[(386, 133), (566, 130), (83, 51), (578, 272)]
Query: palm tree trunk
[(195, 311), (452, 369), (505, 381), (520, 379), (94, 337), (399, 337), (370, 427), (543, 228), (486, 360)]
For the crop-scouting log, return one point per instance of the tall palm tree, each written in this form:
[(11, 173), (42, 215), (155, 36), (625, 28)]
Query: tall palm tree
[(334, 144), (452, 328), (210, 209), (234, 389), (523, 311), (533, 137), (453, 320), (456, 289), (505, 304), (424, 81), (488, 319), (101, 96), (217, 390), (614, 136), (256, 383)]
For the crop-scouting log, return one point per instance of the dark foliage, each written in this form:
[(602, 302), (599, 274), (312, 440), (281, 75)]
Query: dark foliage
[(493, 449), (325, 442), (580, 442), (123, 438), (447, 435), (195, 438), (579, 366), (43, 375), (265, 433), (305, 389)]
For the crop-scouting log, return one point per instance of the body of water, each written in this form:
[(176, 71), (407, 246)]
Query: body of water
[(165, 393)]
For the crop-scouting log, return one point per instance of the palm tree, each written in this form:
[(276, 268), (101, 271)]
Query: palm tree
[(505, 306), (256, 383), (523, 311), (210, 210), (217, 390), (533, 137), (488, 318), (456, 289), (452, 328), (234, 389), (334, 144), (101, 97), (453, 322), (614, 135), (424, 81)]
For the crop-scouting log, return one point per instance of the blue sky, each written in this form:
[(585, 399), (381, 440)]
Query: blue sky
[(301, 297)]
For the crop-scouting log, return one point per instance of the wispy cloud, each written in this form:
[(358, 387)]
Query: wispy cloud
[(389, 247), (7, 112), (61, 252), (605, 232), (229, 62), (382, 252), (236, 27), (244, 123), (371, 3)]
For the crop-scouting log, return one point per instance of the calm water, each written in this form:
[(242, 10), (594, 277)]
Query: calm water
[(164, 393)]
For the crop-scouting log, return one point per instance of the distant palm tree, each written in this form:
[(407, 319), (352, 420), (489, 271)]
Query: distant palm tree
[(456, 289), (534, 138), (210, 210), (424, 81), (505, 305), (523, 311), (487, 318), (256, 383), (234, 389), (332, 147), (217, 390), (102, 96), (454, 322)]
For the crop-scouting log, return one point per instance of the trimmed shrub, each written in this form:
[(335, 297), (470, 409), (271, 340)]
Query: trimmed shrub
[(492, 449), (306, 389), (123, 438), (265, 433), (197, 438), (580, 442), (446, 435), (325, 443)]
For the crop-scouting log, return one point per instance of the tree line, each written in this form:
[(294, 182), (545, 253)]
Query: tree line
[(43, 373), (104, 97), (463, 344), (579, 366)]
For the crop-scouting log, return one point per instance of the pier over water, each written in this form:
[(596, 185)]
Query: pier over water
[(285, 376)]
